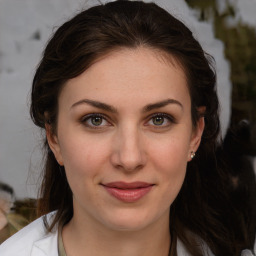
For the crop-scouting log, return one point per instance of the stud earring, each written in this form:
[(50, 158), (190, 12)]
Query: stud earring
[(192, 154)]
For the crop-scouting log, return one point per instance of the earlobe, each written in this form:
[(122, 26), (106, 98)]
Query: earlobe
[(53, 143)]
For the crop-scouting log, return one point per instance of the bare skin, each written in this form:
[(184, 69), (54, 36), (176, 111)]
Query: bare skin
[(127, 118), (100, 241)]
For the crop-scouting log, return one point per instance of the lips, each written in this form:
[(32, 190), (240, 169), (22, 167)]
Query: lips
[(128, 192)]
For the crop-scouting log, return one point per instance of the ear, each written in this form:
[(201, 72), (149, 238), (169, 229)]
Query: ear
[(197, 134), (53, 143)]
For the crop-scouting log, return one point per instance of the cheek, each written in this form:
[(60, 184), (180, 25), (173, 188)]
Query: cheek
[(170, 153), (83, 156), (170, 162), (82, 167), (172, 178)]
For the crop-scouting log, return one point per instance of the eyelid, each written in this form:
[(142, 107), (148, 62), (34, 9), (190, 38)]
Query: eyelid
[(169, 117), (91, 115), (84, 117)]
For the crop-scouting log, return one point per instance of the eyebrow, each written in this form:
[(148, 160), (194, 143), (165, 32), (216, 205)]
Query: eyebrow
[(112, 109), (96, 104), (161, 104)]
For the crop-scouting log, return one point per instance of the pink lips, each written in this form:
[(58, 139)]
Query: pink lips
[(128, 192)]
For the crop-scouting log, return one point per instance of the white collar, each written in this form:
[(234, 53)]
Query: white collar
[(48, 245)]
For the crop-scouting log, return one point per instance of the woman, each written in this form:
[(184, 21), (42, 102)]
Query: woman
[(128, 102)]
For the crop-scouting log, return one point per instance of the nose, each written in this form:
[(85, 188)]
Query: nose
[(128, 151)]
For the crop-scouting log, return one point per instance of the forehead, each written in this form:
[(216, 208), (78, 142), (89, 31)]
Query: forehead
[(136, 72), (141, 58)]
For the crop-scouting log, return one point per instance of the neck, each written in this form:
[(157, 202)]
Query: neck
[(87, 238)]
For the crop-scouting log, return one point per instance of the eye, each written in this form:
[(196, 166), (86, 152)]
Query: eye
[(158, 120), (95, 121), (161, 120)]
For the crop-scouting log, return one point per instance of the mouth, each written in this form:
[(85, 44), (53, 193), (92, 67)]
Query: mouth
[(128, 192)]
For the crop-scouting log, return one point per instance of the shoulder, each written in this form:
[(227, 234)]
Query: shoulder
[(30, 239)]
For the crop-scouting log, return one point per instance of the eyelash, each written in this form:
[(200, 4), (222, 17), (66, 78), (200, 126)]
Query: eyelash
[(86, 118), (169, 118), (94, 115)]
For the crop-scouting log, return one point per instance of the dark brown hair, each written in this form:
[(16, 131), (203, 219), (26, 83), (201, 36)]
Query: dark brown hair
[(74, 47)]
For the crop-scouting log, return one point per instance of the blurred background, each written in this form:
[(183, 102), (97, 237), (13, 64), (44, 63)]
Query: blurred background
[(225, 28)]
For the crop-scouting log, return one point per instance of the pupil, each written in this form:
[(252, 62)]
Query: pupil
[(97, 120), (158, 120)]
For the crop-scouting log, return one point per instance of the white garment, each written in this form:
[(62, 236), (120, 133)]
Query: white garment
[(33, 240)]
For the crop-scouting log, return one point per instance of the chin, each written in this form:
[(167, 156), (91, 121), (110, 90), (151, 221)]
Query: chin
[(130, 221)]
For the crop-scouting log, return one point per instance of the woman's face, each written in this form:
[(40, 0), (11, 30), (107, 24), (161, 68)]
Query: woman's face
[(124, 136)]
